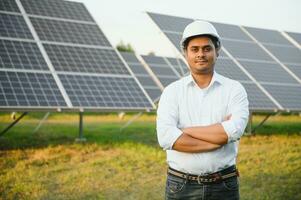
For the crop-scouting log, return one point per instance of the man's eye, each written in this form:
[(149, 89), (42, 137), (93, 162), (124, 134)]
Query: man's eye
[(207, 49)]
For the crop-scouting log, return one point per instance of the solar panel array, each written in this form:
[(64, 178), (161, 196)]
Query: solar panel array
[(264, 61), (53, 55)]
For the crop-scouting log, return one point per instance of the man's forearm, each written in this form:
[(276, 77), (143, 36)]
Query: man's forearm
[(213, 133), (186, 143)]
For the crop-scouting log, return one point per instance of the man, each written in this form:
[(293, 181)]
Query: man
[(200, 120)]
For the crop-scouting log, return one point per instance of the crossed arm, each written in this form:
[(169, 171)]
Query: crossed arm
[(201, 138)]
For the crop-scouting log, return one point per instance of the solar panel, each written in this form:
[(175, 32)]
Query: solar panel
[(9, 5), (104, 92), (257, 64), (58, 9), (14, 26), (69, 32), (142, 75), (55, 56), (21, 55), (84, 59), (161, 69), (19, 89)]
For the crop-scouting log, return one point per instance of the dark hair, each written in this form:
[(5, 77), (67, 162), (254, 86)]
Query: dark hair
[(215, 41)]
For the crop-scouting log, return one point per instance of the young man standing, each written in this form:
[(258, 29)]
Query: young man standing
[(200, 120)]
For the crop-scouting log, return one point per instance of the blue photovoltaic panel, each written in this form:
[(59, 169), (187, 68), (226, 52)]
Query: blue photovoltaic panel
[(58, 9), (83, 59), (69, 32), (286, 54), (14, 26), (142, 75), (21, 55), (9, 5), (103, 92), (19, 89)]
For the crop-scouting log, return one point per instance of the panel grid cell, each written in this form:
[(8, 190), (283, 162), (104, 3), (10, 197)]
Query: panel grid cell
[(21, 55), (105, 92), (82, 59), (69, 32), (57, 8), (20, 89), (14, 26), (9, 5)]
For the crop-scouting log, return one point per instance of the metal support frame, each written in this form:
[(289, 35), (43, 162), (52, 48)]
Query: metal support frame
[(131, 121), (81, 137), (262, 122), (12, 124), (41, 122)]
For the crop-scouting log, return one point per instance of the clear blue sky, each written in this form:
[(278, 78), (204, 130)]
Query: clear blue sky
[(126, 20)]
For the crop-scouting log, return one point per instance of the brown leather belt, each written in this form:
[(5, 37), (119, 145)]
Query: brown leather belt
[(210, 178)]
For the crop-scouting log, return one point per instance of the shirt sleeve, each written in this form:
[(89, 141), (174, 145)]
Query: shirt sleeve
[(167, 118), (239, 110)]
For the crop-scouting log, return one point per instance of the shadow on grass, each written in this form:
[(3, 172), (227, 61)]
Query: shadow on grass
[(108, 134)]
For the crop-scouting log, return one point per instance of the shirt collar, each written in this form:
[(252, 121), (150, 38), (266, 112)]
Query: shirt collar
[(216, 78)]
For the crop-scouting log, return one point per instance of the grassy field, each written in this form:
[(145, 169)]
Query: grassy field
[(129, 164)]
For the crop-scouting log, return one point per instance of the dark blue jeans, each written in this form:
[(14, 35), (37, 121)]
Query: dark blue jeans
[(178, 188)]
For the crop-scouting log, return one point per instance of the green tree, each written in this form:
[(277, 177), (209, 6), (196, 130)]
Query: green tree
[(125, 47)]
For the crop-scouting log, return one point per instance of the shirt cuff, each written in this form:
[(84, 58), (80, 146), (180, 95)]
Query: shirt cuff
[(230, 129), (174, 134)]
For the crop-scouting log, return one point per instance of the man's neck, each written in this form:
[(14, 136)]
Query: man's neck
[(202, 80)]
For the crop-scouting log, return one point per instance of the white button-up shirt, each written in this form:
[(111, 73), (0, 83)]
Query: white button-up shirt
[(184, 104)]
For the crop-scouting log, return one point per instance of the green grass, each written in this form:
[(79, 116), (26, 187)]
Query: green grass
[(112, 164)]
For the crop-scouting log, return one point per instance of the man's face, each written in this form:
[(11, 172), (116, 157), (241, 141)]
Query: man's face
[(201, 55)]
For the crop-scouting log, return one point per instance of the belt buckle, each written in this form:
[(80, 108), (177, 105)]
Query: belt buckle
[(198, 179)]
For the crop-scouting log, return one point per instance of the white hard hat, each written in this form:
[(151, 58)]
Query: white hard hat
[(199, 27)]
